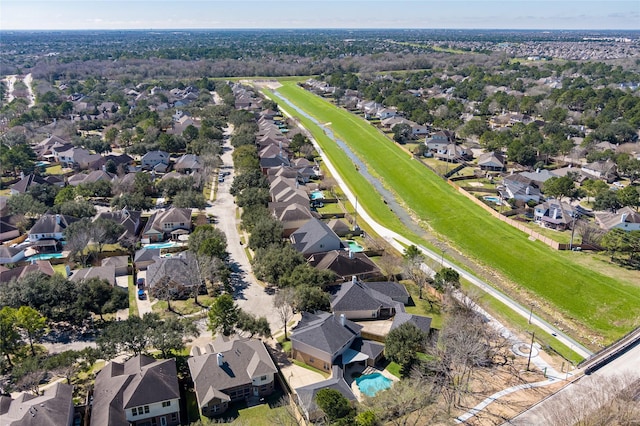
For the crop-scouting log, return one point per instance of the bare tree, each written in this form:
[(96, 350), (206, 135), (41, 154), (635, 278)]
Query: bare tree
[(283, 303), (406, 403), (389, 265), (596, 400)]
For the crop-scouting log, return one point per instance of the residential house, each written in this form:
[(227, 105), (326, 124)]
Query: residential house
[(229, 370), (519, 188), (155, 160), (396, 291), (10, 254), (439, 140), (92, 177), (120, 264), (339, 227), (292, 216), (453, 153), (276, 161), (129, 219), (291, 195), (606, 170), (178, 271), (75, 157), (171, 222), (422, 323), (345, 264), (315, 237), (26, 182), (491, 161), (384, 113), (357, 301), (306, 396), (49, 230), (145, 257), (539, 177), (319, 339), (8, 230), (121, 161), (555, 214), (106, 273), (188, 163), (53, 408), (625, 218), (140, 391), (19, 272)]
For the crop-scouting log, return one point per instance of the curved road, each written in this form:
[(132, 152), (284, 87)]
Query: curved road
[(399, 243)]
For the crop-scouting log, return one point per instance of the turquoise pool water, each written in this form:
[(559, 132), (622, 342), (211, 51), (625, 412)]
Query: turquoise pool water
[(371, 384), (45, 256), (355, 247), (316, 195), (160, 245), (493, 199)]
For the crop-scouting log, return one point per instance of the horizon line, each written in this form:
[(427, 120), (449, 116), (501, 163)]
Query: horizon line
[(319, 28)]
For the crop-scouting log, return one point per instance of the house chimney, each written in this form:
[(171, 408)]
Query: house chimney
[(58, 219), (21, 175), (343, 320), (538, 170), (527, 190), (354, 279), (220, 359), (351, 257), (623, 218), (104, 167), (555, 213)]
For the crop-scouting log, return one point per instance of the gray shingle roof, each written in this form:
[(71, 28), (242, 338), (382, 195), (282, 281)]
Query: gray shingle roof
[(139, 381), (395, 291), (53, 408), (309, 234), (423, 323), (244, 360), (51, 224), (324, 332), (307, 394)]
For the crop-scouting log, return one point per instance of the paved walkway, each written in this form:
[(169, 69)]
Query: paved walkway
[(399, 242)]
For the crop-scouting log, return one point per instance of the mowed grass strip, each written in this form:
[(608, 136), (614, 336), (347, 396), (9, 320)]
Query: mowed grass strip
[(603, 304)]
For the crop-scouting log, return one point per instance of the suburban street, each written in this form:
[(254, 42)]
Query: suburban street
[(249, 295)]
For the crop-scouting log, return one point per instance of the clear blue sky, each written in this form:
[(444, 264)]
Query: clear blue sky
[(468, 14)]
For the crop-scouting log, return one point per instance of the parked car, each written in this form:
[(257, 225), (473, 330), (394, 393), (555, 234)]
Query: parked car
[(220, 179), (140, 283), (141, 295)]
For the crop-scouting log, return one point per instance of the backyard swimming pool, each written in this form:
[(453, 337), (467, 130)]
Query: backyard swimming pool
[(160, 245), (371, 384), (316, 195), (45, 256), (354, 247), (493, 199)]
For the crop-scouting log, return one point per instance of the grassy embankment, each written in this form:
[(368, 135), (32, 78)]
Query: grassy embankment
[(605, 306)]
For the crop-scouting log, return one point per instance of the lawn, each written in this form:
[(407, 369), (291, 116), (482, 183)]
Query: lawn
[(133, 304), (182, 307), (606, 306)]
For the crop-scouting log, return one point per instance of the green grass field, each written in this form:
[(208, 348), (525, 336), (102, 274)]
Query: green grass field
[(605, 306)]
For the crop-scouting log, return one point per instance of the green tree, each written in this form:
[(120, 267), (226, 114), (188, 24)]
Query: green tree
[(25, 204), (249, 323), (78, 236), (189, 199), (311, 299), (272, 263), (31, 323), (223, 315), (99, 297), (266, 231), (560, 187), (334, 405), (446, 278), (403, 344), (9, 335), (169, 336), (629, 196), (208, 240)]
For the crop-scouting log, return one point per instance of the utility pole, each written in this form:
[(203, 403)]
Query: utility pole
[(355, 216), (533, 335)]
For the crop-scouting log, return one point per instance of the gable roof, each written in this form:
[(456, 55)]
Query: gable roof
[(324, 332), (313, 231), (343, 263), (139, 381), (176, 268), (394, 290), (130, 219), (52, 224), (609, 220), (19, 272), (422, 323), (52, 408), (355, 296), (26, 182), (171, 215), (244, 359), (146, 254), (107, 273), (188, 161), (307, 394)]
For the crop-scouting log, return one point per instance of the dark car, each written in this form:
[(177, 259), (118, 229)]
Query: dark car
[(141, 295), (140, 283)]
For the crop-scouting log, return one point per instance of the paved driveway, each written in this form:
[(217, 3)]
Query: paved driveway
[(249, 295), (144, 306)]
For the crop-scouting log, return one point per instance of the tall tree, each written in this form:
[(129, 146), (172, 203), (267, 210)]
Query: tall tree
[(283, 303), (402, 345), (9, 335), (223, 315), (31, 323)]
